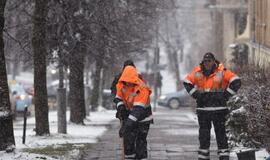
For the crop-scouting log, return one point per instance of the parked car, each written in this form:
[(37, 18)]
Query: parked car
[(18, 97), (52, 89), (107, 99), (175, 99)]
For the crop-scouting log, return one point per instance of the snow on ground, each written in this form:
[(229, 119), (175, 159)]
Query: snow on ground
[(17, 155), (262, 155), (95, 126), (184, 132)]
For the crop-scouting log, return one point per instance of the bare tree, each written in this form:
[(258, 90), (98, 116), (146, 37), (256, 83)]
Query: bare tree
[(40, 53), (107, 32), (76, 79), (123, 29), (6, 125), (17, 36)]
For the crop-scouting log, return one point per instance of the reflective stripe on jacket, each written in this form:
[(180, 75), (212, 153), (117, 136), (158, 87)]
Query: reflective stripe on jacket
[(211, 88), (136, 98)]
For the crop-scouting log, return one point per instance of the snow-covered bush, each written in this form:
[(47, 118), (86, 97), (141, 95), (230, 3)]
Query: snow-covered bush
[(237, 122), (249, 119)]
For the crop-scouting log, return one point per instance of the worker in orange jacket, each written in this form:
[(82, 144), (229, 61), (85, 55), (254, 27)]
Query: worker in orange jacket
[(117, 77), (211, 84), (134, 109)]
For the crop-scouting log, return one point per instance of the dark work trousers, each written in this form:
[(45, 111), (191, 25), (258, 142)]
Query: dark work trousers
[(135, 141), (218, 118)]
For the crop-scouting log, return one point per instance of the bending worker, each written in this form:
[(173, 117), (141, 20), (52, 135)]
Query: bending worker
[(134, 109)]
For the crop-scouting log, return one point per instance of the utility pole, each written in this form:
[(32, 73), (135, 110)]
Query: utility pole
[(156, 69), (87, 88), (179, 48)]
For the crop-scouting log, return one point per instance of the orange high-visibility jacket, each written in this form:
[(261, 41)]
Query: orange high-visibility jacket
[(220, 81), (135, 98)]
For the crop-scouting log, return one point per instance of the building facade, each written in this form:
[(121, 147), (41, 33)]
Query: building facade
[(259, 22)]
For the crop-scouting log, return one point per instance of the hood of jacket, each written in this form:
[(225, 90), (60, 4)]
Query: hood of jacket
[(130, 75)]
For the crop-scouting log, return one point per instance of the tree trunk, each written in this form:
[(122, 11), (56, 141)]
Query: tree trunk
[(96, 85), (87, 100), (176, 71), (6, 125), (76, 92), (39, 50), (61, 110), (61, 99)]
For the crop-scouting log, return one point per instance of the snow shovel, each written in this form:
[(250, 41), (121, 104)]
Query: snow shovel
[(122, 145), (246, 155)]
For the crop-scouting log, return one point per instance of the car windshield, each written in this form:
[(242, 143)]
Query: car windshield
[(177, 93), (183, 91)]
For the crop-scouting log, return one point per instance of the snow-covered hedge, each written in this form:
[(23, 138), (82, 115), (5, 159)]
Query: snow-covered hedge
[(249, 119)]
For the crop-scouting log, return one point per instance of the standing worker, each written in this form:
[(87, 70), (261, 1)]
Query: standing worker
[(134, 109), (212, 85)]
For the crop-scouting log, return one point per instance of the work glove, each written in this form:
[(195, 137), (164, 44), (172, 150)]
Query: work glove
[(122, 131), (121, 113), (126, 127)]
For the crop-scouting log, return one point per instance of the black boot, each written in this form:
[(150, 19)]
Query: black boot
[(224, 158)]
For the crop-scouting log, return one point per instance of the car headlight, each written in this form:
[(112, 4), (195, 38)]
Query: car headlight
[(162, 97), (22, 97)]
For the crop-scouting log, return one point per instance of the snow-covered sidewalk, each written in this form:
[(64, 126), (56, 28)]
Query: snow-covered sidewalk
[(95, 126), (178, 126)]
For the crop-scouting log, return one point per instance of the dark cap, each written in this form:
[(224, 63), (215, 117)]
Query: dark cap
[(128, 63), (209, 55)]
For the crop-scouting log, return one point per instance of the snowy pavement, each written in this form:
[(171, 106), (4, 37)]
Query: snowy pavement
[(173, 136), (95, 125)]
